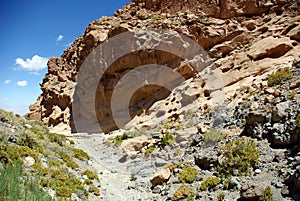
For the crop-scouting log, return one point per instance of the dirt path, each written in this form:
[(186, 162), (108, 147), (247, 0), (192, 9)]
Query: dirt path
[(114, 173)]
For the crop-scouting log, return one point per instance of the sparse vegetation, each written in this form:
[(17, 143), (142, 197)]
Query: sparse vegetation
[(149, 150), (279, 76), (57, 138), (119, 139), (267, 195), (220, 197), (32, 138), (188, 174), (173, 166), (183, 191), (80, 154), (210, 183), (212, 137), (240, 154), (133, 178), (91, 175), (13, 186), (95, 190), (292, 95)]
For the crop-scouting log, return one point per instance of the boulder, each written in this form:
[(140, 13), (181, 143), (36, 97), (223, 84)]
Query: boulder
[(269, 47), (252, 191), (134, 145), (29, 161), (160, 176)]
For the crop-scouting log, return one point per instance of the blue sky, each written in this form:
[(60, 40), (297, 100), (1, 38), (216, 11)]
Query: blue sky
[(32, 31)]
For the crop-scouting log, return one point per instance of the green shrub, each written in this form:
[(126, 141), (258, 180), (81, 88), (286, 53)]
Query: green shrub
[(167, 139), (149, 150), (210, 183), (267, 195), (240, 154), (220, 197), (68, 160), (54, 163), (173, 166), (119, 139), (133, 178), (279, 76), (95, 190), (80, 154), (182, 192), (57, 138), (188, 174), (91, 175)]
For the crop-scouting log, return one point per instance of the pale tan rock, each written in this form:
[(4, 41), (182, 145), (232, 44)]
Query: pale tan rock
[(29, 161), (142, 14), (160, 176), (270, 47), (134, 145)]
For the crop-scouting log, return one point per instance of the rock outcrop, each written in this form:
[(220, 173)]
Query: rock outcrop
[(246, 40)]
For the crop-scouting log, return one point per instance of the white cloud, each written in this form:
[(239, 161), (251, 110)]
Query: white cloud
[(59, 38), (7, 81), (22, 83), (35, 64)]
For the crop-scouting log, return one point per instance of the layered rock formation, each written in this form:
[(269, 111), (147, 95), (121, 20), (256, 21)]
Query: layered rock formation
[(246, 39)]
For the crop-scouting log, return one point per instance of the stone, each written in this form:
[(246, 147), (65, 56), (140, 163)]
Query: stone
[(156, 135), (270, 47), (207, 158), (257, 171), (234, 183), (134, 145), (29, 161), (280, 111), (142, 14), (156, 190), (160, 162), (160, 176), (285, 191), (255, 117), (252, 191), (249, 48)]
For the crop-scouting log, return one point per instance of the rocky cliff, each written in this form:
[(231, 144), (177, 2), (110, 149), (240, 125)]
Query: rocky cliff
[(246, 40)]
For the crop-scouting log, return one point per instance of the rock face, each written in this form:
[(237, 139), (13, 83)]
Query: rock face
[(246, 40)]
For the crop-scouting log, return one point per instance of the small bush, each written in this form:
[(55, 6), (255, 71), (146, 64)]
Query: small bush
[(188, 174), (80, 154), (240, 154), (95, 190), (166, 139), (149, 150), (54, 163), (210, 183), (68, 160), (133, 178), (279, 76), (212, 137), (57, 138), (220, 197), (182, 192), (173, 166), (91, 175), (267, 195), (119, 139)]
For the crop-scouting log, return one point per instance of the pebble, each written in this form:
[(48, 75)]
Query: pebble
[(257, 171)]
